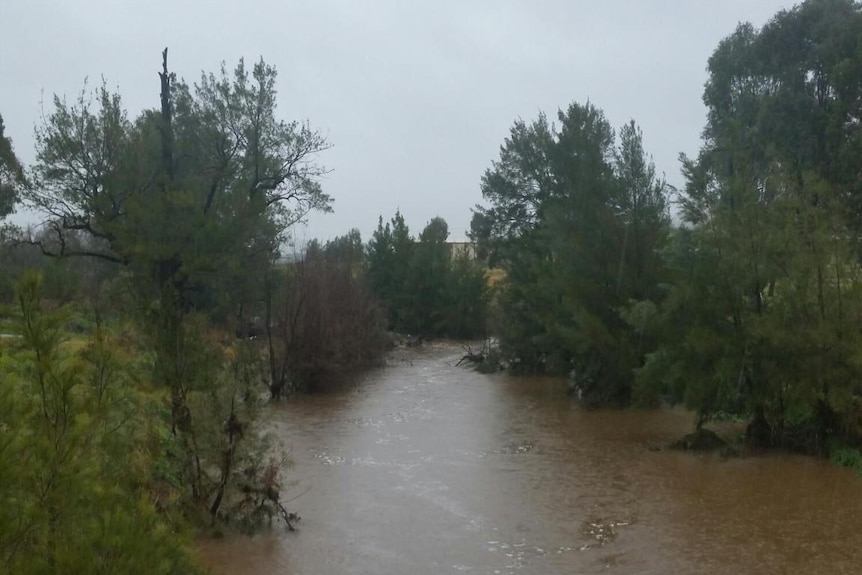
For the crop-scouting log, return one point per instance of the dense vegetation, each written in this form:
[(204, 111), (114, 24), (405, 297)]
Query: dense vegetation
[(750, 306), (430, 288), (762, 314), (325, 324), (575, 221), (173, 221), (151, 307), (85, 486), (124, 385)]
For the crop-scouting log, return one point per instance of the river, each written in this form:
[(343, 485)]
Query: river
[(428, 468)]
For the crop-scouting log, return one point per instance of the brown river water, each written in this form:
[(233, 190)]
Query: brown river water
[(428, 468)]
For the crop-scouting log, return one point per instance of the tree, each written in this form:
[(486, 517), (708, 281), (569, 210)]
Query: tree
[(790, 93), (465, 314), (215, 154), (190, 198), (575, 223), (425, 288), (379, 255), (427, 291), (389, 253), (641, 207), (346, 250), (12, 178), (765, 292)]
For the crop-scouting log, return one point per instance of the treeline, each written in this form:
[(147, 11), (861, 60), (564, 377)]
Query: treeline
[(332, 312), (750, 304), (431, 288), (127, 404), (328, 312)]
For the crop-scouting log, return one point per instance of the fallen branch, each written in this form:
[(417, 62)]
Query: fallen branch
[(471, 356)]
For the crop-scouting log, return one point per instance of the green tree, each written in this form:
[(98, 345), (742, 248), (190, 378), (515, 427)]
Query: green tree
[(575, 222), (347, 250), (12, 178), (760, 320), (193, 199), (379, 261), (425, 288), (641, 207), (428, 290), (388, 256)]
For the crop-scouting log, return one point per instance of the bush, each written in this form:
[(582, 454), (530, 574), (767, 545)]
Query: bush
[(845, 456), (327, 326), (76, 497)]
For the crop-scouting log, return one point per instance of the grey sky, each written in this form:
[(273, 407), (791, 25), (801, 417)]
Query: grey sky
[(415, 97)]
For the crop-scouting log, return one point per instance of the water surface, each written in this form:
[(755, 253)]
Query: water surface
[(427, 468)]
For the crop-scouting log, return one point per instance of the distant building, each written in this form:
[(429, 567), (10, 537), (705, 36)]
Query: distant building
[(465, 247)]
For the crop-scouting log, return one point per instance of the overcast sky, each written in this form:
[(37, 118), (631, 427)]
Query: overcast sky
[(415, 97)]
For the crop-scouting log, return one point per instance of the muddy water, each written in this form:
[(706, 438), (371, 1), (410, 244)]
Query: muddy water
[(428, 468)]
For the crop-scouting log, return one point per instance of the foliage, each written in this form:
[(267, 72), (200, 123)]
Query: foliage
[(325, 323), (192, 200), (761, 317), (12, 179), (346, 250), (849, 457), (389, 254), (575, 220), (429, 290), (427, 280), (466, 298), (75, 458), (214, 164)]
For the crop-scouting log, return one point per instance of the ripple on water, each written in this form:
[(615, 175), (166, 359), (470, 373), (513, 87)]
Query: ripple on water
[(327, 458), (517, 447), (600, 532), (519, 554), (460, 472)]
